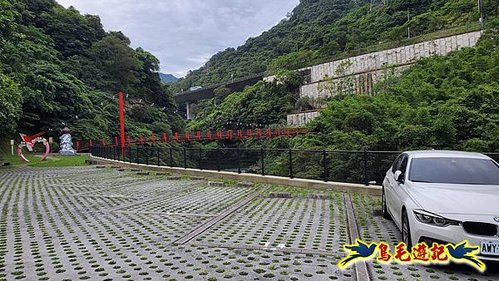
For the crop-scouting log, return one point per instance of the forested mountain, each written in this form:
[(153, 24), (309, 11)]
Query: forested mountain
[(167, 78), (328, 28), (58, 67)]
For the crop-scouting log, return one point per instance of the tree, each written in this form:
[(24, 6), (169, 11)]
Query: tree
[(10, 103), (115, 61)]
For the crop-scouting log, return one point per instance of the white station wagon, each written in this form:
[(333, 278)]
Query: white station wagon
[(445, 197)]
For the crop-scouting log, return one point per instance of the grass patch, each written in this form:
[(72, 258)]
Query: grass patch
[(53, 160)]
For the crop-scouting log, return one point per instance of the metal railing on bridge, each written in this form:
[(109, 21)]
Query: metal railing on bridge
[(351, 166)]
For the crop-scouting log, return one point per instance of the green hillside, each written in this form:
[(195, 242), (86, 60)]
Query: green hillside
[(167, 78), (320, 29), (59, 68)]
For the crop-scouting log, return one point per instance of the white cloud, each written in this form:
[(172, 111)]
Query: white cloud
[(183, 34)]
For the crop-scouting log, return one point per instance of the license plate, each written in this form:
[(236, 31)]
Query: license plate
[(489, 248)]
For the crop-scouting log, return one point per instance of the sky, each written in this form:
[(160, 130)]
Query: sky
[(184, 34)]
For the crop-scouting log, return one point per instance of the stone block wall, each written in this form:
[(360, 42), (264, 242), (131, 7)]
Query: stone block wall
[(397, 56), (302, 118)]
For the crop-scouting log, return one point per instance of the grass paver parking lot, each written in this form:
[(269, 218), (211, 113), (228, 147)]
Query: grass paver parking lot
[(84, 223)]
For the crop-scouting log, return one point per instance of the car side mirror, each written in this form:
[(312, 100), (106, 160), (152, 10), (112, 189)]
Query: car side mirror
[(399, 176)]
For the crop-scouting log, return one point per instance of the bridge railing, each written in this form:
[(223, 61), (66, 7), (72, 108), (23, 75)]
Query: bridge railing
[(351, 166)]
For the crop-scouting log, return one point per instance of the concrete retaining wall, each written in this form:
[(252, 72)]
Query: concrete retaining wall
[(362, 83), (393, 57), (301, 118)]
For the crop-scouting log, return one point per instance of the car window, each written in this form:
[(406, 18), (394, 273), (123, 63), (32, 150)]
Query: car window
[(403, 164), (454, 171), (396, 163)]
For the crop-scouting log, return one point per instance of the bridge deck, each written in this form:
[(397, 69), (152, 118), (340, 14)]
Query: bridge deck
[(208, 92)]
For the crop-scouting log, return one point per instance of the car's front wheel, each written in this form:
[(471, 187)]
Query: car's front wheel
[(384, 209), (406, 230)]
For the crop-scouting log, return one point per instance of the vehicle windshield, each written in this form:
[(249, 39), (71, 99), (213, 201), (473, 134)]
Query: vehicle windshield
[(454, 171)]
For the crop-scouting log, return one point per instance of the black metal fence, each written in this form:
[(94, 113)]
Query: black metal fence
[(352, 166)]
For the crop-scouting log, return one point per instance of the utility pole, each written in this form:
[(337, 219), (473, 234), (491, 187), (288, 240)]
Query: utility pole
[(480, 11), (408, 27)]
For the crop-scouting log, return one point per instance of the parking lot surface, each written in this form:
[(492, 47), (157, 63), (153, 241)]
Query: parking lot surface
[(104, 224)]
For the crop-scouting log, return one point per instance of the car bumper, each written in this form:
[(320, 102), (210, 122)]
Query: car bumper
[(454, 234)]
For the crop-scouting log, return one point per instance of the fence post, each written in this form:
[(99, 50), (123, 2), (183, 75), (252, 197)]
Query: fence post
[(171, 156), (157, 154), (185, 157), (218, 159), (324, 164), (238, 160), (147, 155), (137, 155), (200, 166), (290, 163), (365, 167), (262, 158)]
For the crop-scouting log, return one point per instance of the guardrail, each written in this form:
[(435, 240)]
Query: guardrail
[(350, 166)]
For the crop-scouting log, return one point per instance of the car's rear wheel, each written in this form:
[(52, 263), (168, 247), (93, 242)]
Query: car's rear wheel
[(384, 210), (406, 231)]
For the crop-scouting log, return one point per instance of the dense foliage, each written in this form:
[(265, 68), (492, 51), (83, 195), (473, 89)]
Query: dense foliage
[(262, 104), (327, 28), (447, 102), (59, 68)]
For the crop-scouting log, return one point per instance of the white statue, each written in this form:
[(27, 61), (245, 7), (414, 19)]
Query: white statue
[(66, 143)]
